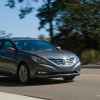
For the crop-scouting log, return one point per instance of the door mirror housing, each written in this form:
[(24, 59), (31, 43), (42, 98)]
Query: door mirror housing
[(58, 47)]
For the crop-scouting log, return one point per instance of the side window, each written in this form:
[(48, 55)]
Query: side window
[(19, 44), (7, 45)]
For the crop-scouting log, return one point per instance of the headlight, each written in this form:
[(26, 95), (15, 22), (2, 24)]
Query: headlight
[(77, 59), (71, 60), (39, 60)]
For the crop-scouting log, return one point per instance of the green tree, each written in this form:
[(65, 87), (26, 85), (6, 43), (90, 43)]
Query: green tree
[(26, 7), (48, 13), (84, 17)]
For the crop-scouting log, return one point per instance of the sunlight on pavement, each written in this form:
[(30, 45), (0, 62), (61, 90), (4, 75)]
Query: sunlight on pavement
[(7, 96), (90, 76)]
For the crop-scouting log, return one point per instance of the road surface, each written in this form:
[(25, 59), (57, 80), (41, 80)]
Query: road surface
[(85, 87)]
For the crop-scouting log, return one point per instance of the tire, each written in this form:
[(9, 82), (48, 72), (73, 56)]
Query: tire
[(71, 78), (23, 73)]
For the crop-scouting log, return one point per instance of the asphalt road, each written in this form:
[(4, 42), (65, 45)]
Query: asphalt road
[(85, 87)]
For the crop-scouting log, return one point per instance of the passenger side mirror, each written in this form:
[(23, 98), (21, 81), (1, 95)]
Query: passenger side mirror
[(58, 47)]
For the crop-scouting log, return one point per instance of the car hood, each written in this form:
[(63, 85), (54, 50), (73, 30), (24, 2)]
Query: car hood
[(55, 54)]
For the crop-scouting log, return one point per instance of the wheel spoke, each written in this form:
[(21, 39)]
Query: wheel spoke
[(23, 73)]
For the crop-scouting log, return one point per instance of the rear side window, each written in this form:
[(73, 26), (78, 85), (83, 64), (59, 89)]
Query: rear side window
[(7, 45)]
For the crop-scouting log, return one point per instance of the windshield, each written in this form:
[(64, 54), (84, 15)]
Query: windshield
[(34, 45)]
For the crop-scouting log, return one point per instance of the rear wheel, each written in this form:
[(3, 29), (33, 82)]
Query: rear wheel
[(23, 73), (68, 78)]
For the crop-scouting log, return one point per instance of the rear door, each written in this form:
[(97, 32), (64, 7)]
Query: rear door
[(8, 57), (1, 57)]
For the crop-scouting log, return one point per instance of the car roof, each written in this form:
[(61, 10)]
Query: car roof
[(21, 39), (24, 39), (4, 39)]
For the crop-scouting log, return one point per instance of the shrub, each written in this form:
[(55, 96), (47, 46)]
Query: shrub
[(90, 56)]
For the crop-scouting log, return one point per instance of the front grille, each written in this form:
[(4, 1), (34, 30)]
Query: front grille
[(58, 61)]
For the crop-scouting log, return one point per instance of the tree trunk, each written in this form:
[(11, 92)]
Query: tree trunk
[(50, 21), (51, 30)]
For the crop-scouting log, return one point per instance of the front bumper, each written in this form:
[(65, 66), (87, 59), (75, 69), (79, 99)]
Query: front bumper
[(57, 75), (47, 71)]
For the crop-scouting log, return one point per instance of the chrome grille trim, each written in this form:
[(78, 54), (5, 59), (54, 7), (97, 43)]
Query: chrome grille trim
[(57, 61), (60, 61)]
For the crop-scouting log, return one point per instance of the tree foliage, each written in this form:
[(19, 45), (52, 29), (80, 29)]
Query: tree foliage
[(76, 15), (25, 8), (84, 18)]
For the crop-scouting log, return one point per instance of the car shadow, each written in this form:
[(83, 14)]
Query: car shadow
[(13, 82)]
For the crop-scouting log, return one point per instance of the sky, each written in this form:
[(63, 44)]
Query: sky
[(11, 23)]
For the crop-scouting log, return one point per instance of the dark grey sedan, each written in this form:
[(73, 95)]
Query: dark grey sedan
[(30, 58)]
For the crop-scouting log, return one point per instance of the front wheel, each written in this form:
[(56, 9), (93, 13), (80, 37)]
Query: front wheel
[(68, 78), (23, 73)]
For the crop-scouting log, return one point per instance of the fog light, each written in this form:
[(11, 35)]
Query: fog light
[(40, 72)]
